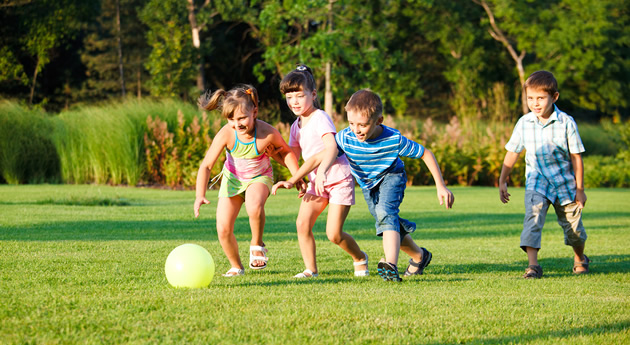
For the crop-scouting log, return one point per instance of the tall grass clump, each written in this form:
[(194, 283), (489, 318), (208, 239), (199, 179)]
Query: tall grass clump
[(27, 154), (105, 144)]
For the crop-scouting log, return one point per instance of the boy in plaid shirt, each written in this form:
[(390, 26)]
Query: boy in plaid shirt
[(554, 172)]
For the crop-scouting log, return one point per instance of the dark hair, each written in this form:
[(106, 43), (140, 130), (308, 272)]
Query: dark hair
[(300, 79), (242, 96), (366, 103), (542, 80)]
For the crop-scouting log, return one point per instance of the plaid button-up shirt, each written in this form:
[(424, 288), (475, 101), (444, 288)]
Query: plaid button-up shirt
[(548, 167)]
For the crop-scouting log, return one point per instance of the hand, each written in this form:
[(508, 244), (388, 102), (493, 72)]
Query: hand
[(301, 188), (445, 197), (198, 203), (271, 150), (320, 181), (281, 184), (580, 198), (503, 193)]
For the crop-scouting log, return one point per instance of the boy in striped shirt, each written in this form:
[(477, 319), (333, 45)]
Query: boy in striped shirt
[(374, 152), (554, 172)]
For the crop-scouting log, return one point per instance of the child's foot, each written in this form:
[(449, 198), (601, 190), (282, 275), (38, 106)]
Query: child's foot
[(306, 274), (388, 271), (257, 257), (361, 267), (581, 267), (418, 267), (533, 272), (234, 271)]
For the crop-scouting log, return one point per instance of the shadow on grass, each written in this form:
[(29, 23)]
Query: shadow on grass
[(278, 228), (591, 330), (553, 267)]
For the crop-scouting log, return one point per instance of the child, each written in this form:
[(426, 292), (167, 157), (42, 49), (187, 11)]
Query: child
[(554, 171), (311, 133), (247, 172), (373, 151)]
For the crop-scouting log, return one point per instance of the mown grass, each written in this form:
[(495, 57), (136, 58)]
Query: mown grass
[(85, 272)]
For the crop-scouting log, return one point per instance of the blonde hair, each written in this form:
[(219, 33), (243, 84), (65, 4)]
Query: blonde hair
[(365, 102), (300, 79), (542, 80), (243, 97)]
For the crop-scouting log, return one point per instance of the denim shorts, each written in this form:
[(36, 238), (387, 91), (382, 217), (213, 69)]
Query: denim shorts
[(569, 218), (384, 201)]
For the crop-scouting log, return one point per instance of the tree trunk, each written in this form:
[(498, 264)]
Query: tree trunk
[(139, 81), (192, 19), (120, 56), (498, 35), (30, 99), (328, 96)]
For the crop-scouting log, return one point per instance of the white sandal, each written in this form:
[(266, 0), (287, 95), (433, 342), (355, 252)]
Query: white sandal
[(237, 272), (253, 257), (306, 274), (359, 263)]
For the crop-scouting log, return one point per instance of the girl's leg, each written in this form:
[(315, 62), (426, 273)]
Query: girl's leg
[(255, 198), (310, 208), (334, 230), (227, 210)]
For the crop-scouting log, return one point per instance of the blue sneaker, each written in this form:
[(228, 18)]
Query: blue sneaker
[(388, 271)]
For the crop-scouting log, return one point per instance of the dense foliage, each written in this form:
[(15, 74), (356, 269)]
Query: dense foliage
[(426, 58), (162, 143)]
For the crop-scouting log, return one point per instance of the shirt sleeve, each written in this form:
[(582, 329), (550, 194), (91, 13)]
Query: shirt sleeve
[(516, 144), (573, 138), (410, 148), (339, 140), (324, 124), (294, 141)]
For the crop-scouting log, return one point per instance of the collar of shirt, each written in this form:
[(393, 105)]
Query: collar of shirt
[(552, 118)]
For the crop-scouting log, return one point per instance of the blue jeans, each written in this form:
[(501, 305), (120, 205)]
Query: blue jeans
[(384, 201)]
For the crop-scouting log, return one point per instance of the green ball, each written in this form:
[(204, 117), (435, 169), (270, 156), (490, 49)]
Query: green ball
[(189, 265)]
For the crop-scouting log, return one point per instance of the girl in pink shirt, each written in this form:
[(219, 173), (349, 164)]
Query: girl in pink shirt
[(311, 133)]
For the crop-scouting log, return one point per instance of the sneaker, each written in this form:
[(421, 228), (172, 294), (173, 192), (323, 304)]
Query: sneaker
[(388, 271)]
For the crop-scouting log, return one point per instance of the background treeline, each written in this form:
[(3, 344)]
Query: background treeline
[(426, 58), (104, 91)]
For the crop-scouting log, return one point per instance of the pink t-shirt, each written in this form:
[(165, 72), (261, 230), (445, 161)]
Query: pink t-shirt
[(309, 139)]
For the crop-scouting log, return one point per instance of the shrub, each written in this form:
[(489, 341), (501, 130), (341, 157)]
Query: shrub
[(173, 158)]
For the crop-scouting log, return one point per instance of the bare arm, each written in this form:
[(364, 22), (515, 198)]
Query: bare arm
[(203, 174), (445, 196), (317, 160), (578, 168), (508, 163)]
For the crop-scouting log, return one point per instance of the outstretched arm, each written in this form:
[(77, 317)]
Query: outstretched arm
[(445, 196), (304, 170), (508, 163), (578, 169), (203, 174)]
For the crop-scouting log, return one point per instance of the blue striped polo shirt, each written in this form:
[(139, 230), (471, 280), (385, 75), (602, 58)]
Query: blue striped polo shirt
[(372, 159), (548, 167)]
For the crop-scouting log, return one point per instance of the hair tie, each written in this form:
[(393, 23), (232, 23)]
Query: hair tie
[(300, 68), (248, 91)]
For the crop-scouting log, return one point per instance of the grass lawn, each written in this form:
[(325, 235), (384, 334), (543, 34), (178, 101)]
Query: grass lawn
[(85, 265)]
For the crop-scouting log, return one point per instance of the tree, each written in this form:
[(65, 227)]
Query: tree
[(172, 59), (114, 54)]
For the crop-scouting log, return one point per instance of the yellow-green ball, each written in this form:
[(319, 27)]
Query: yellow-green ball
[(189, 265)]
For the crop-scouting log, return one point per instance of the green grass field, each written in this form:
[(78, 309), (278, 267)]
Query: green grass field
[(85, 265)]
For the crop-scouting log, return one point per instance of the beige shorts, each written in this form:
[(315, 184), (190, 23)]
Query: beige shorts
[(569, 218)]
